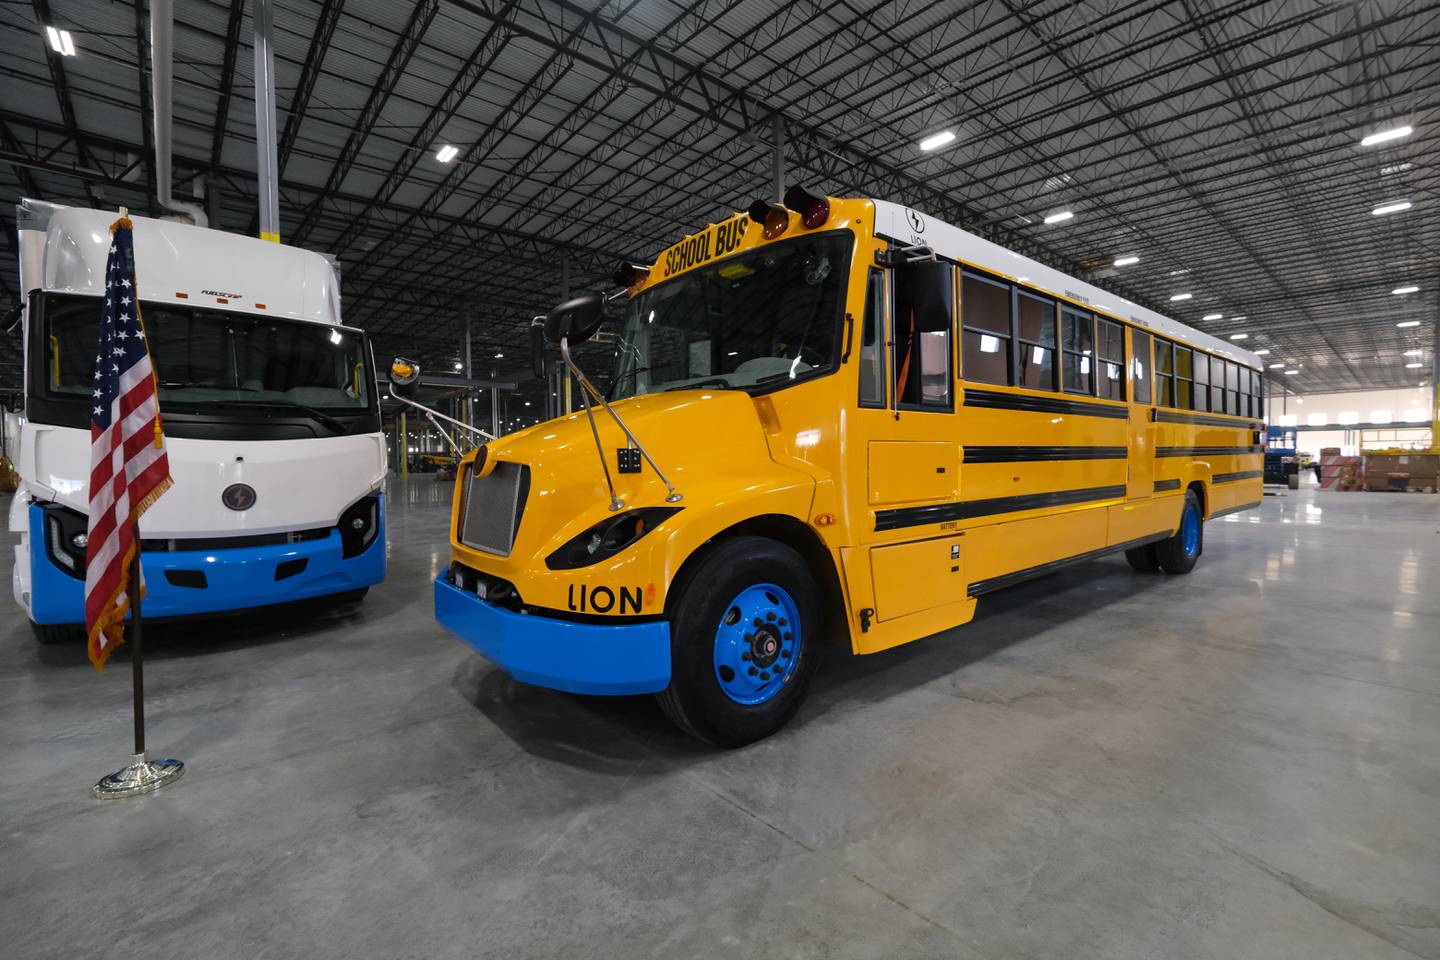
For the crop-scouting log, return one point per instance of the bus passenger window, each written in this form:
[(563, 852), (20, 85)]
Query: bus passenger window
[(924, 312), (1202, 381), (1184, 378), (1037, 342), (1140, 366), (1077, 341), (1111, 337), (1164, 373), (1232, 385), (985, 314), (872, 343)]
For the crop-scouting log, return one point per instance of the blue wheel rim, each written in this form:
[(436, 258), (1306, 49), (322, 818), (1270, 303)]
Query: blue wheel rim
[(757, 644), (1190, 530)]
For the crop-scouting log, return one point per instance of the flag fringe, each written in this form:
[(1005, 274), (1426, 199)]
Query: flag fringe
[(111, 622)]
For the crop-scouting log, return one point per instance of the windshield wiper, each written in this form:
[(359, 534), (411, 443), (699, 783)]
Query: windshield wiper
[(614, 384), (309, 411), (700, 384)]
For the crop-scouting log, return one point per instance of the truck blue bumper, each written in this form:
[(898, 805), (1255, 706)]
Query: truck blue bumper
[(188, 582), (548, 652)]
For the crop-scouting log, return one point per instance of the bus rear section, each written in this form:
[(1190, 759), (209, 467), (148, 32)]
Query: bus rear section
[(270, 412)]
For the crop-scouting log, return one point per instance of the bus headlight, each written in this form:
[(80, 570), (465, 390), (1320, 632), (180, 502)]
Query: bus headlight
[(358, 526), (66, 539), (607, 538)]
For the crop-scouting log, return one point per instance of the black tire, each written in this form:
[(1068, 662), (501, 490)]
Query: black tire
[(352, 596), (1179, 553), (1143, 559), (696, 608), (56, 633), (1293, 481)]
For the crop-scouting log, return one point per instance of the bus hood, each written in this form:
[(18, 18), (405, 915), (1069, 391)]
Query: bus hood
[(709, 444), (298, 484)]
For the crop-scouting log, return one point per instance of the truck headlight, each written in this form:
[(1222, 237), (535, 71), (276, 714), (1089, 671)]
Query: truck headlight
[(65, 539)]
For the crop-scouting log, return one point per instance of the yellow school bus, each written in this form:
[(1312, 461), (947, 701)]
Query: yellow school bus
[(836, 420)]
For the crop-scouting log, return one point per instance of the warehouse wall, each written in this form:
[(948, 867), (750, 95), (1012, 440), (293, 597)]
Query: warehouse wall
[(1400, 407)]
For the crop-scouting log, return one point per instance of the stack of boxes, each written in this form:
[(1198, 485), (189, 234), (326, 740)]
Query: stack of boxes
[(1402, 471)]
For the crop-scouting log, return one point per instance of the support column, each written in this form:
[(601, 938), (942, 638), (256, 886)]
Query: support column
[(565, 400), (404, 448), (494, 412), (469, 415), (266, 162), (1435, 381), (777, 156)]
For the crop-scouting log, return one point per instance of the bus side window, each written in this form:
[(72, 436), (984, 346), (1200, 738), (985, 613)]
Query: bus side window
[(1111, 340), (1164, 373), (1202, 381), (1184, 378), (985, 314), (1140, 366), (1036, 363), (924, 315), (872, 343), (1077, 343)]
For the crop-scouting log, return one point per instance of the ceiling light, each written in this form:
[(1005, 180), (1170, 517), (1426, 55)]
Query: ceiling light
[(1060, 217), (61, 42), (459, 365), (1385, 136), (499, 356), (447, 153), (1238, 336), (937, 140), (1239, 317), (1181, 296), (1213, 316), (1395, 207), (1263, 351), (1403, 290), (1291, 373), (1126, 261), (1276, 366), (1414, 353), (1408, 323), (1413, 366), (1396, 168)]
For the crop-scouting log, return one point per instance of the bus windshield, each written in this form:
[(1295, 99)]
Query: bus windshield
[(211, 359), (756, 321)]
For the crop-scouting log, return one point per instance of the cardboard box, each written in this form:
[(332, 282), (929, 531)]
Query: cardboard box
[(1329, 451)]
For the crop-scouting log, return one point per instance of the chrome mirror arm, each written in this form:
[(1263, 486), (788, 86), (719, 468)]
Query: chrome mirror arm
[(431, 415), (586, 387)]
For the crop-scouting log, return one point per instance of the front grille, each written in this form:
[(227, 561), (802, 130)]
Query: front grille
[(230, 543), (493, 506)]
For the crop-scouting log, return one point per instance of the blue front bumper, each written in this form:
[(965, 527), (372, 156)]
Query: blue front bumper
[(237, 578), (548, 652)]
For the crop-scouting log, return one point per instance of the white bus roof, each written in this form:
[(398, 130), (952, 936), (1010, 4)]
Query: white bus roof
[(910, 226), (176, 263)]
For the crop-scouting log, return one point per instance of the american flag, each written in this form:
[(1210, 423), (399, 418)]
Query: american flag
[(128, 465)]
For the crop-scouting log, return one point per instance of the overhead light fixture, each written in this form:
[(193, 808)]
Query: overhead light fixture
[(1404, 290), (1238, 336), (447, 153), (61, 42), (1408, 323), (1414, 353), (1263, 351), (1126, 261), (1395, 207), (1396, 168), (1213, 316), (1385, 136), (499, 356), (1060, 217), (459, 365), (1181, 296), (1413, 366), (1276, 366), (1240, 316), (1291, 373), (937, 140)]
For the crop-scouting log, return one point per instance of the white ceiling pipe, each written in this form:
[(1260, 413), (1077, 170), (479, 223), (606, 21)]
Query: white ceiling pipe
[(162, 45)]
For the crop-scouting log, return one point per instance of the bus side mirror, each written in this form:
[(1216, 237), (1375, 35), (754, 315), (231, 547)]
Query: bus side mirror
[(926, 286), (404, 377), (537, 347), (576, 319)]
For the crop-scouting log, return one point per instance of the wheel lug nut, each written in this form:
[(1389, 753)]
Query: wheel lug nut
[(753, 671), (759, 622), (764, 676), (744, 656), (785, 653), (789, 635), (784, 622), (770, 616)]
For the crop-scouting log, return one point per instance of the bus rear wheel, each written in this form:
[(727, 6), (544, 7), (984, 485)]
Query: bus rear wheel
[(743, 627), (1179, 553)]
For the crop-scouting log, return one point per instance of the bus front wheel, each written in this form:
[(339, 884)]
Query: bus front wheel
[(1179, 553), (52, 633), (744, 624)]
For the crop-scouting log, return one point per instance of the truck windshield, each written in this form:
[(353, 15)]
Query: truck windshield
[(212, 360), (756, 321)]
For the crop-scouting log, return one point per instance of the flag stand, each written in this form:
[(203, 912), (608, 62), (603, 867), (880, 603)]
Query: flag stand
[(143, 775)]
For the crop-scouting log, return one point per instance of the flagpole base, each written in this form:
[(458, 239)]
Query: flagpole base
[(143, 775)]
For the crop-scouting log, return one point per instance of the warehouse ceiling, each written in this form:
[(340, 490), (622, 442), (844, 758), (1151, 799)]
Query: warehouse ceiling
[(1218, 142)]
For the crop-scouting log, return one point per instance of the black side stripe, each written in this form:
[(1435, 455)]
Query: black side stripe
[(1241, 423), (918, 516), (1162, 485), (1203, 451), (1018, 454), (1234, 509), (1020, 576), (1239, 475), (1013, 401)]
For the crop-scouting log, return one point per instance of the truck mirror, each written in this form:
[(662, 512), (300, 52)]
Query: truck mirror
[(576, 319), (404, 377)]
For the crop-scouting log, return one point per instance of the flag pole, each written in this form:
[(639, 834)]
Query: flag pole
[(142, 775)]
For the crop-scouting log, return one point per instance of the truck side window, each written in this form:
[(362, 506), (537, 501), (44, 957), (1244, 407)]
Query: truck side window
[(924, 315), (872, 343)]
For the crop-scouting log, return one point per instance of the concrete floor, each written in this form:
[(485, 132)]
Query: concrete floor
[(1244, 762)]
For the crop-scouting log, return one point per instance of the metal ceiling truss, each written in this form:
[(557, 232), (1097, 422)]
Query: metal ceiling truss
[(1215, 139)]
